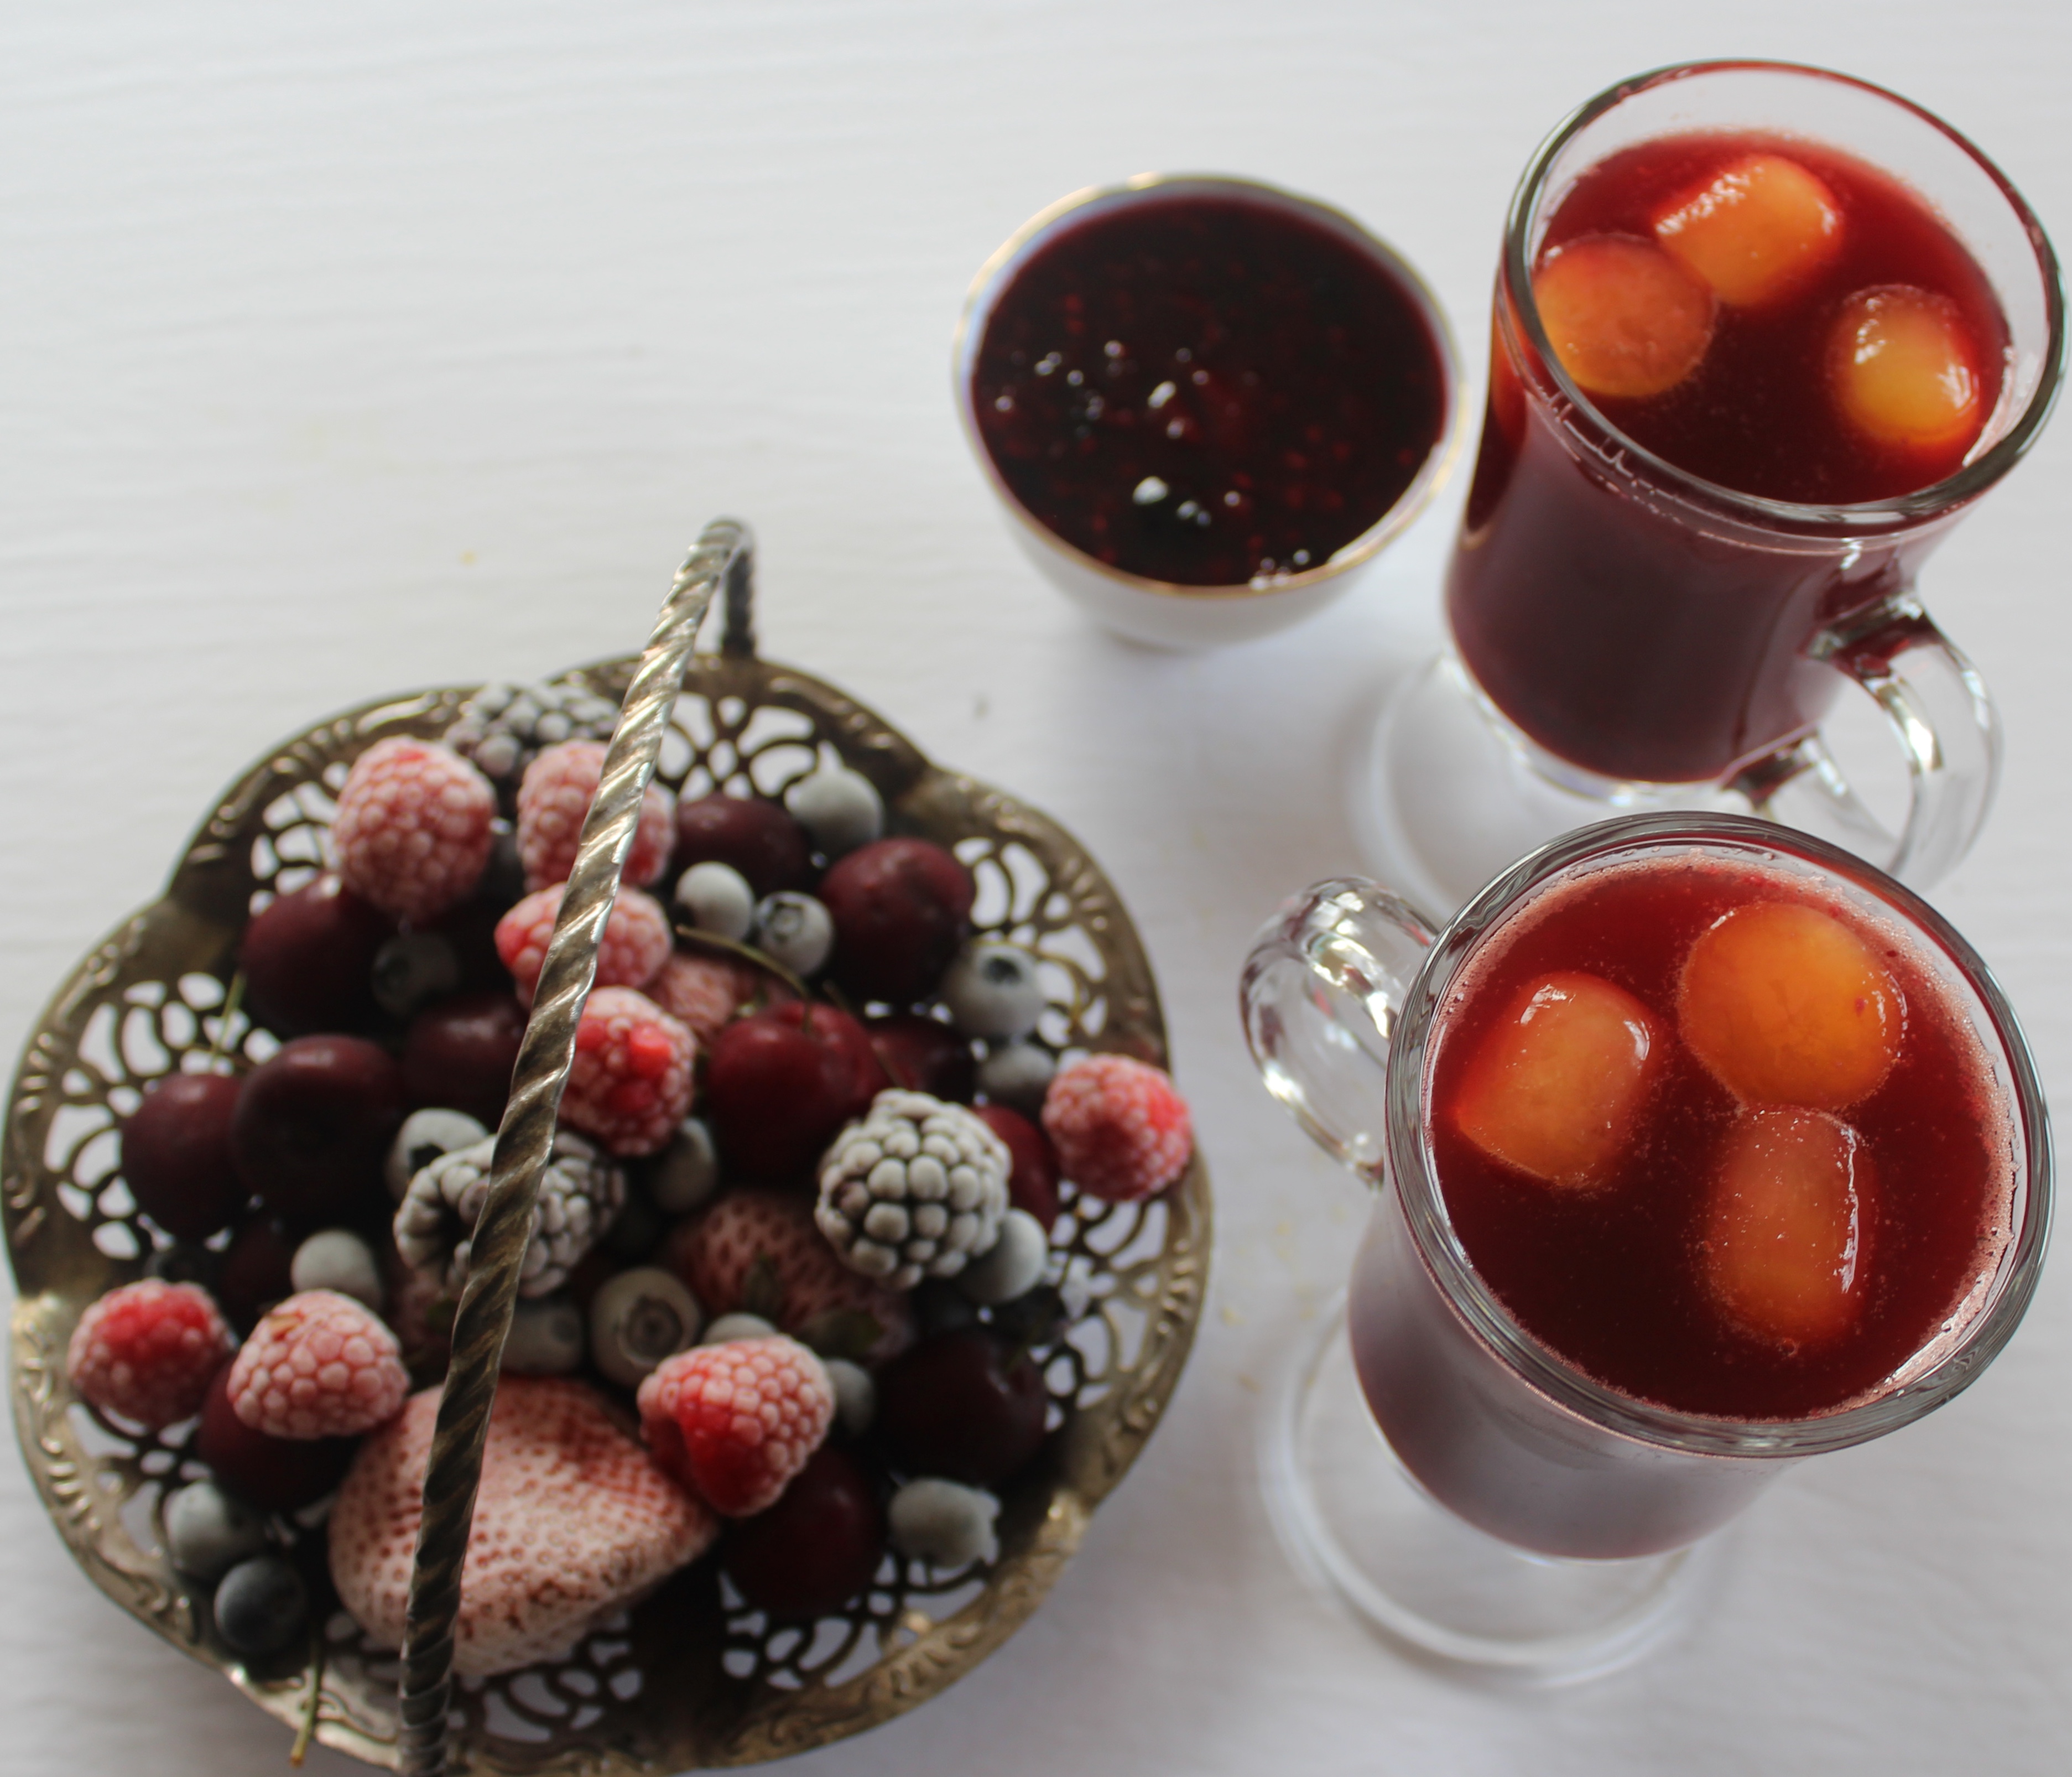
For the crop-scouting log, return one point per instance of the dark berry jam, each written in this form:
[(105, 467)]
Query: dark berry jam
[(1207, 390)]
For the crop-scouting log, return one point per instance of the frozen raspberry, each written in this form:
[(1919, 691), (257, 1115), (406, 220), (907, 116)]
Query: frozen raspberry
[(320, 1365), (704, 992), (636, 940), (412, 833), (555, 796), (1121, 1129), (737, 1422), (630, 1084), (148, 1351), (760, 1250), (572, 1522)]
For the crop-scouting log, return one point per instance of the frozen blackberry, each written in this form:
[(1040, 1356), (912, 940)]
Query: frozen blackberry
[(502, 727), (917, 1188), (580, 1192)]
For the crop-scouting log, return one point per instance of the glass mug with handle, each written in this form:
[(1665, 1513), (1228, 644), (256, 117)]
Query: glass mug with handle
[(1435, 1461), (1666, 622)]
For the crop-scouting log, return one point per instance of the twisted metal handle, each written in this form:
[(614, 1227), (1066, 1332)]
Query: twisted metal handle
[(524, 1139)]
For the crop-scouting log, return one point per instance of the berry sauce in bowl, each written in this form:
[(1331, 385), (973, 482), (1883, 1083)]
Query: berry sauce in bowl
[(1204, 401)]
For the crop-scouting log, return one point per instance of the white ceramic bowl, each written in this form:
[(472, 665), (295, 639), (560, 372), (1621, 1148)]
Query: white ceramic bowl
[(1158, 611)]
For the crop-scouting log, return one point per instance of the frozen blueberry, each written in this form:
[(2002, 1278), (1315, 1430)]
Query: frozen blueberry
[(856, 1395), (716, 898), (992, 990), (1012, 1265), (260, 1605), (425, 1136), (944, 1523), (336, 1258), (546, 1337), (688, 1172), (638, 1319), (1018, 1074), (733, 1326), (838, 807), (412, 969), (797, 930), (209, 1532)]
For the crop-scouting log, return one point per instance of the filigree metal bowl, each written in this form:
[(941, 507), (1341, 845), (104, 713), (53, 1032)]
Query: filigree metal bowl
[(689, 1677)]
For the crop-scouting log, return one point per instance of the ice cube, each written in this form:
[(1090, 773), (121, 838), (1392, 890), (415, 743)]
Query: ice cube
[(1786, 1005), (1903, 367), (1787, 1250), (1755, 231), (1556, 1086), (1623, 317)]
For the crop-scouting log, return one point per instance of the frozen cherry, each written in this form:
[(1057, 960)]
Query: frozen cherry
[(924, 1055), (258, 1270), (1032, 1178), (274, 1474), (458, 1055), (780, 1085), (176, 1155), (954, 1406), (313, 1123), (471, 928), (308, 959), (819, 1546), (757, 838), (900, 907)]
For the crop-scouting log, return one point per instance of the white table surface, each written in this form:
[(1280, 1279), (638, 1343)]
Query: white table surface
[(354, 348)]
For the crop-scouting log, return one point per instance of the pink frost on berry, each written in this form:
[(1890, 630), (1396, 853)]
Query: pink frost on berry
[(573, 1521), (412, 833), (1121, 1129), (631, 1084), (636, 940), (736, 1421), (320, 1365), (557, 792), (148, 1351), (716, 1252), (705, 992)]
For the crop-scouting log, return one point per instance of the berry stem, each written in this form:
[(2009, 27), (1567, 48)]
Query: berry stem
[(307, 1731)]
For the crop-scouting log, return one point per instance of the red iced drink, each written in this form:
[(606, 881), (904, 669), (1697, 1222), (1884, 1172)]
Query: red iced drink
[(1752, 318), (1726, 1156)]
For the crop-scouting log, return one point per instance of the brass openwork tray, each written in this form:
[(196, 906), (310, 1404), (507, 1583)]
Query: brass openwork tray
[(689, 1677)]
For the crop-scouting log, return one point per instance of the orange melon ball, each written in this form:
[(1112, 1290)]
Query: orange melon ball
[(1622, 316), (1786, 1005), (1555, 1088), (1785, 1253), (1904, 369), (1754, 230)]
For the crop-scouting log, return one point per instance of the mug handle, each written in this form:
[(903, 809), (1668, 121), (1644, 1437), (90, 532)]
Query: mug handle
[(1322, 987), (1947, 729)]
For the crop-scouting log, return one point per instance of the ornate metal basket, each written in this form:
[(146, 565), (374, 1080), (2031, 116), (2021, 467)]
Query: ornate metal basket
[(690, 1677)]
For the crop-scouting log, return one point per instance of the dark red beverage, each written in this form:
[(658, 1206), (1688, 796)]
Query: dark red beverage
[(1785, 1203), (1774, 321), (1208, 389)]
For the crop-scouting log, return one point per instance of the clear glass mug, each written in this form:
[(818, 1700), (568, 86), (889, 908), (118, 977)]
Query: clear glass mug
[(1343, 996), (1632, 635)]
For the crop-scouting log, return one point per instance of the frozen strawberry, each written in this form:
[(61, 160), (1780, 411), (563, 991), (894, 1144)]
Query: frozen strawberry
[(1755, 231), (1118, 1127), (412, 833), (761, 1252), (631, 1084), (147, 1352), (572, 1522), (1787, 1246), (1786, 1005), (636, 944), (736, 1421), (1904, 369), (552, 801), (1555, 1088), (1622, 316), (320, 1365)]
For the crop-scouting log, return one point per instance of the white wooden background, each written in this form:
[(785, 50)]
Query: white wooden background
[(354, 348)]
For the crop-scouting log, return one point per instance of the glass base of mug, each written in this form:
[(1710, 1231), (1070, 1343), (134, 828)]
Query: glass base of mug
[(1448, 793), (1359, 1528)]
